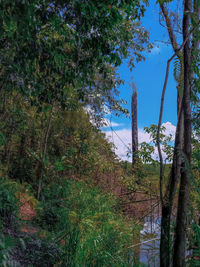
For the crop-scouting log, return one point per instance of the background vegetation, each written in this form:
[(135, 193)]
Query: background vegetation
[(65, 198)]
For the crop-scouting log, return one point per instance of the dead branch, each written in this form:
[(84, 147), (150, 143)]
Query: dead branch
[(137, 201)]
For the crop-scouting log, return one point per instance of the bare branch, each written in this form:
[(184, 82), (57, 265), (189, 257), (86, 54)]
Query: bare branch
[(137, 201), (144, 242), (170, 29)]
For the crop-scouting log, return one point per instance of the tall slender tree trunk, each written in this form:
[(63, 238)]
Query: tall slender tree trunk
[(168, 199), (179, 140), (180, 232), (167, 205), (134, 124), (40, 165)]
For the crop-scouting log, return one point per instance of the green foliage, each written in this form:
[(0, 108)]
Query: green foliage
[(145, 153), (194, 230), (74, 145), (85, 224), (178, 73), (68, 50), (57, 57), (37, 252), (8, 201), (6, 245), (195, 244), (28, 251), (76, 219), (146, 149)]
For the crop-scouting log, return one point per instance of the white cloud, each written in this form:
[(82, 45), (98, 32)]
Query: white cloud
[(155, 50), (143, 136), (122, 139), (107, 123), (170, 129)]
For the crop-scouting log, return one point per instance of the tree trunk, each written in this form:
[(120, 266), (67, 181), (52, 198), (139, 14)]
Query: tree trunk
[(180, 232), (40, 165), (134, 125), (167, 205), (168, 199)]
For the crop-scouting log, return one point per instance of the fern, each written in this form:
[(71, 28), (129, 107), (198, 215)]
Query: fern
[(177, 69), (178, 73)]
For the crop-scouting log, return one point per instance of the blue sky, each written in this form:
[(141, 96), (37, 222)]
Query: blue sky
[(149, 78)]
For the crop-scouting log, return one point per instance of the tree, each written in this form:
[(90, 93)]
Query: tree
[(134, 124), (54, 50), (167, 198), (181, 223), (182, 143), (65, 52)]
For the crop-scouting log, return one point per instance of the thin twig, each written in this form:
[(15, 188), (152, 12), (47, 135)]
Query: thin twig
[(110, 125), (149, 212), (144, 242), (136, 201), (135, 192)]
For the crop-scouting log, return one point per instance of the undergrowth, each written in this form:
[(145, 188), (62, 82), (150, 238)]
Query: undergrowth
[(76, 226)]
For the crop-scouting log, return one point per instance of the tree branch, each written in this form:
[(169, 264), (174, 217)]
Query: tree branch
[(161, 109), (170, 29)]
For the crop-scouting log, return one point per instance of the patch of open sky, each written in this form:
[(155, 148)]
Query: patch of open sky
[(149, 77)]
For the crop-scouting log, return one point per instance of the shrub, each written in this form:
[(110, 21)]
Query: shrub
[(6, 244), (36, 252), (85, 225), (9, 207)]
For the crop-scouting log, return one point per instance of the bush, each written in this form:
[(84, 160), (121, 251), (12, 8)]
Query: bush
[(85, 225), (36, 252), (6, 244), (9, 207)]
